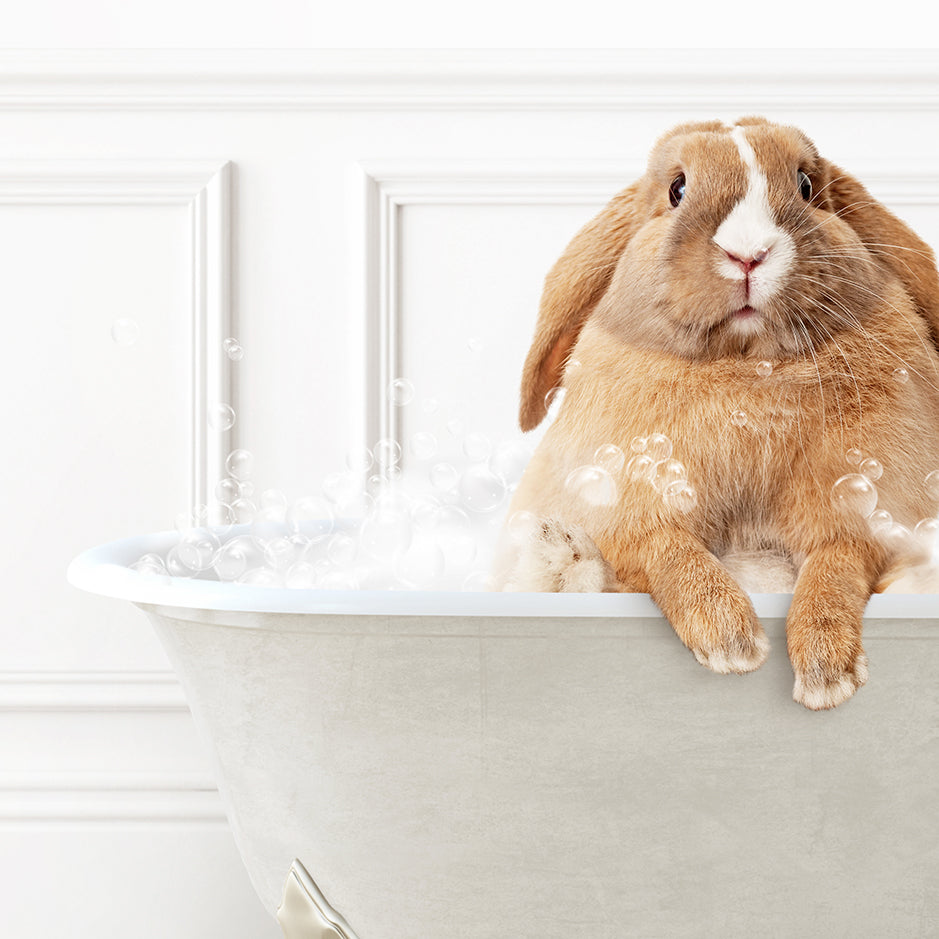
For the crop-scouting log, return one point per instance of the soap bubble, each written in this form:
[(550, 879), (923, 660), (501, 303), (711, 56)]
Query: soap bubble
[(926, 532), (897, 539), (261, 577), (932, 485), (281, 552), (125, 331), (302, 575), (640, 466), (455, 427), (593, 484), (244, 510), (444, 476), (150, 564), (764, 368), (401, 392), (430, 405), (854, 456), (901, 376), (174, 564), (659, 447), (423, 445), (854, 494), (342, 549), (522, 525), (475, 344), (638, 444), (235, 557), (553, 401), (455, 537), (481, 490), (196, 548), (221, 417), (666, 472), (233, 349), (610, 458), (477, 447), (739, 417), (387, 453), (509, 459), (879, 520), (872, 469), (680, 495), (228, 490), (240, 464), (311, 517)]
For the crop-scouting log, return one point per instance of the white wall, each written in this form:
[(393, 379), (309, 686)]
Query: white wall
[(349, 217)]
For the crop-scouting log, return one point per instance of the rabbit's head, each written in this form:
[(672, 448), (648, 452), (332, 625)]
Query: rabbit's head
[(738, 240)]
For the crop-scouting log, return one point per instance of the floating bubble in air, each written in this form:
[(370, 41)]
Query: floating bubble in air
[(854, 456), (221, 417), (196, 548), (879, 520), (640, 466), (240, 464), (592, 484), (610, 458), (233, 349), (926, 532), (522, 525), (475, 344), (509, 459), (422, 563), (932, 485), (901, 376), (228, 490), (659, 447), (387, 453), (151, 564), (401, 392), (124, 331), (311, 517), (269, 523), (341, 549), (680, 495), (359, 459), (764, 368), (871, 468), (480, 489), (739, 417), (639, 444), (666, 472), (854, 494)]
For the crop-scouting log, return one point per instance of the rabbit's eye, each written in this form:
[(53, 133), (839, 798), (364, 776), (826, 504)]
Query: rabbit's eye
[(676, 191), (805, 185)]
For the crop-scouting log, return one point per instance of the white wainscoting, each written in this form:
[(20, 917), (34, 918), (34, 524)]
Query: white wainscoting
[(350, 218)]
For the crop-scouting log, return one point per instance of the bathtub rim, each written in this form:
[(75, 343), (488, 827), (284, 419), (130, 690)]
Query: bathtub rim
[(105, 570)]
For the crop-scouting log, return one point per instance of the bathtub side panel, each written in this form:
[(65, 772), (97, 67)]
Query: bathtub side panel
[(469, 783)]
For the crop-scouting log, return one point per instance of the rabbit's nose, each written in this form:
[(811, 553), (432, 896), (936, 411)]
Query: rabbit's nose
[(748, 263)]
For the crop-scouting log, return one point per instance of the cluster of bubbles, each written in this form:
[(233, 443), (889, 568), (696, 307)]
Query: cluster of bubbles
[(856, 494), (651, 461), (374, 525)]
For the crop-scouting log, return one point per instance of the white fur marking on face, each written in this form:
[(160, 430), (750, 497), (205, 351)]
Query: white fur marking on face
[(750, 231)]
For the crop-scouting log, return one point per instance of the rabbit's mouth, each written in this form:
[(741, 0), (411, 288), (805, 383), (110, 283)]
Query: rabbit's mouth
[(745, 312)]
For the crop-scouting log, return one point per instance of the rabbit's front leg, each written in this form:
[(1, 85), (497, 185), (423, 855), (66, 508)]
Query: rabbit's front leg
[(823, 628), (709, 611)]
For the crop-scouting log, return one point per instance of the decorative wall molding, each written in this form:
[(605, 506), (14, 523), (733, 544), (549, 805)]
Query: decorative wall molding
[(66, 796), (76, 691), (390, 186), (203, 188), (662, 80)]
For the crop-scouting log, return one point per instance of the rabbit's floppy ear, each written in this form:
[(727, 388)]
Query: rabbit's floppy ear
[(572, 289), (889, 240)]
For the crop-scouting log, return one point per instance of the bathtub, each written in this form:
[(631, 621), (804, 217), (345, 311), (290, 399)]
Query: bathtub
[(403, 765)]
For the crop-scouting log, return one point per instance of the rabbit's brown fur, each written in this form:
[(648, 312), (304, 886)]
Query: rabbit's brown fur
[(647, 335)]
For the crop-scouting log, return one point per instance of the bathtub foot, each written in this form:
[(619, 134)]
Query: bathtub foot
[(304, 912)]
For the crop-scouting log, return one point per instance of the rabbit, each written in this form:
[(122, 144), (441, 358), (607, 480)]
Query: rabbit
[(748, 306)]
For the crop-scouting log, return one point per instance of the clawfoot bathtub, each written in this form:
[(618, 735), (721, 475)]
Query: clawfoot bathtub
[(473, 766)]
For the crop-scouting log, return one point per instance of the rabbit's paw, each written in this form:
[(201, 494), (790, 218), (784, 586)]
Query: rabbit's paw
[(739, 654), (820, 687), (555, 557), (728, 637)]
